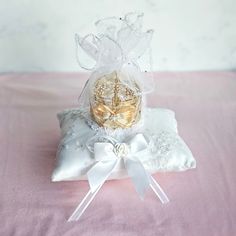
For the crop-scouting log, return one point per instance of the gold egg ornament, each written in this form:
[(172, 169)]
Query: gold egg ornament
[(114, 104)]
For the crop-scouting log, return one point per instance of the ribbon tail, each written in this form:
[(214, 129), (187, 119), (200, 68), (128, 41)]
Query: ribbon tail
[(158, 190), (142, 180), (97, 175), (138, 174), (80, 209)]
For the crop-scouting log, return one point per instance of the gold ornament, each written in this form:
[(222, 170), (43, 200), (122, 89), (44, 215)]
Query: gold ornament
[(113, 104)]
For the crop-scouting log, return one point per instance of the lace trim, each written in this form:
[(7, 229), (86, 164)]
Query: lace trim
[(164, 142), (160, 144), (73, 118), (84, 114)]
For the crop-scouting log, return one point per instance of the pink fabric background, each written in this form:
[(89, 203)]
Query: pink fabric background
[(203, 201)]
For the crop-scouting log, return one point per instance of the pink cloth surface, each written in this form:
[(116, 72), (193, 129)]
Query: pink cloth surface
[(202, 201)]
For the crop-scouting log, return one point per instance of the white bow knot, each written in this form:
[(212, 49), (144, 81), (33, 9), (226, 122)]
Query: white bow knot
[(108, 156)]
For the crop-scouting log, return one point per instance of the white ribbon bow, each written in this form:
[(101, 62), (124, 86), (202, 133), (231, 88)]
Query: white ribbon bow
[(108, 156)]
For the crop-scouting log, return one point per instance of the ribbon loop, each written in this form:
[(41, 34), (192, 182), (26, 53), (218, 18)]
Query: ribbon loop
[(104, 152), (138, 143)]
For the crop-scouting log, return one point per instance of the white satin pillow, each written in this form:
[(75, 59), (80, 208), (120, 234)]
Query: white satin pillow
[(169, 152)]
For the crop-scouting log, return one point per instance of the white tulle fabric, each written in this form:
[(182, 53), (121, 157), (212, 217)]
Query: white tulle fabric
[(75, 156), (120, 45)]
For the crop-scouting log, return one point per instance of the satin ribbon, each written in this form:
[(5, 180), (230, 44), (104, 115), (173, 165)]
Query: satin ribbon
[(108, 156)]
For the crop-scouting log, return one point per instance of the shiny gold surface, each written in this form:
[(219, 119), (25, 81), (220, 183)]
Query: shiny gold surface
[(113, 104)]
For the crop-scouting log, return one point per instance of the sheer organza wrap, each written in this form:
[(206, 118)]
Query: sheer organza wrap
[(118, 46)]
